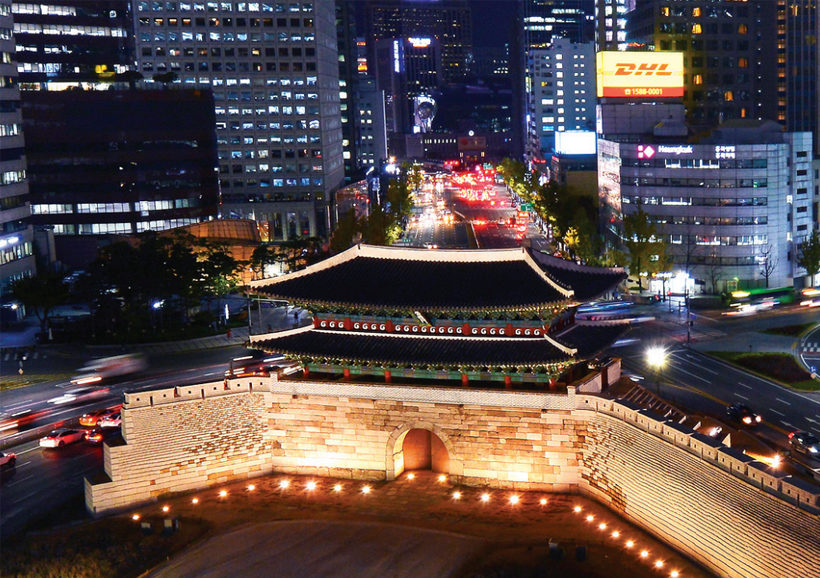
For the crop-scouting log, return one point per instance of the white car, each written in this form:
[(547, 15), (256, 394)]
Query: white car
[(7, 460), (61, 437), (113, 420)]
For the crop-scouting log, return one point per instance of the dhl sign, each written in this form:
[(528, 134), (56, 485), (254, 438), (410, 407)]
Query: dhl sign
[(640, 74)]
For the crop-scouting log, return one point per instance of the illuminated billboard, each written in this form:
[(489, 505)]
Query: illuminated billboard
[(575, 142), (640, 74)]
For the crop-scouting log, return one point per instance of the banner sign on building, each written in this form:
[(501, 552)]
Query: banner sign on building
[(640, 74), (472, 143)]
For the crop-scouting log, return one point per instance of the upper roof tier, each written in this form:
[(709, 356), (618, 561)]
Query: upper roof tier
[(587, 282), (419, 279), (399, 278)]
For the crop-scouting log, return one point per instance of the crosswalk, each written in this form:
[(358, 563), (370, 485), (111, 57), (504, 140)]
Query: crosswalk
[(18, 355), (811, 347)]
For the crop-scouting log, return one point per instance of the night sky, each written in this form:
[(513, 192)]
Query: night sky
[(491, 21)]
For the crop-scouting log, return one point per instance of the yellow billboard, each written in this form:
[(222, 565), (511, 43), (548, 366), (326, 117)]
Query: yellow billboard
[(640, 74)]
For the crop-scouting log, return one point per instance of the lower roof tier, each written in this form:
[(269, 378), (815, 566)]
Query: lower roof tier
[(353, 348)]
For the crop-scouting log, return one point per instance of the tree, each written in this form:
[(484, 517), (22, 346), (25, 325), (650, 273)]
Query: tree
[(41, 294), (220, 271), (345, 233), (262, 256), (131, 77), (166, 78), (412, 176), (809, 257), (767, 262), (714, 271), (646, 254)]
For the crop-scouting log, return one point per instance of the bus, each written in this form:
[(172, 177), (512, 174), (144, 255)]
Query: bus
[(750, 301)]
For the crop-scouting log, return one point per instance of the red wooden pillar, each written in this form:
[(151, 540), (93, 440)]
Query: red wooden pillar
[(347, 373), (507, 382), (307, 371), (465, 381), (388, 377), (552, 383)]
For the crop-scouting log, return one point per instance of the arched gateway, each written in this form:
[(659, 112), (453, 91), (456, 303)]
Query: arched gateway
[(420, 447)]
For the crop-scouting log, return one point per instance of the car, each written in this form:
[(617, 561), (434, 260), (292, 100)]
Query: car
[(93, 418), (99, 435), (805, 443), (113, 420), (61, 437), (742, 413), (7, 460)]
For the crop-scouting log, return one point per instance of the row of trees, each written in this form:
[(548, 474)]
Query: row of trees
[(572, 216), (156, 284), (387, 218)]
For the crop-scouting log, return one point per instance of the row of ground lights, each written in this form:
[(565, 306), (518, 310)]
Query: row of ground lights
[(629, 543), (485, 498)]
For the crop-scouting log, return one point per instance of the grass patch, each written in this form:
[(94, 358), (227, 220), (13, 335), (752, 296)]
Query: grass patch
[(780, 367), (113, 547), (789, 330)]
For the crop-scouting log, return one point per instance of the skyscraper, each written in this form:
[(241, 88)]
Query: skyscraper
[(545, 19), (731, 54), (73, 42), (16, 236), (610, 24), (449, 21), (274, 71)]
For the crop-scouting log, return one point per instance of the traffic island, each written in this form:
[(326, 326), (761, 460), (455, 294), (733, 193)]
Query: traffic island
[(779, 367)]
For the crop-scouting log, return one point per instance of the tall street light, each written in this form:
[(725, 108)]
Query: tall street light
[(656, 358)]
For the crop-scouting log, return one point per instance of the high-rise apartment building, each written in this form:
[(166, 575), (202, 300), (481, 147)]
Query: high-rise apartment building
[(73, 42), (731, 54), (273, 68), (448, 21), (562, 95), (16, 236)]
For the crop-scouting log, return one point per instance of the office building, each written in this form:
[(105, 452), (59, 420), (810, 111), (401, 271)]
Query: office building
[(372, 129), (408, 70), (63, 43), (490, 62), (562, 99), (447, 21), (544, 20), (348, 86), (273, 68), (610, 24), (16, 234), (731, 52), (118, 162), (734, 203)]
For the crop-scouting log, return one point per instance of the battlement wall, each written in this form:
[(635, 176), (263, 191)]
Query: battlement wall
[(732, 513)]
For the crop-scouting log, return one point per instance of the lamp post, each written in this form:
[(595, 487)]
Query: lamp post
[(656, 358)]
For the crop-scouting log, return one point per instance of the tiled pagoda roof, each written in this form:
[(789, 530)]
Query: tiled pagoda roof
[(589, 339), (399, 278), (588, 283), (414, 349)]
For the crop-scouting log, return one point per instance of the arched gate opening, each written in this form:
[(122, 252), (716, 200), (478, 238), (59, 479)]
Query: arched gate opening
[(421, 449)]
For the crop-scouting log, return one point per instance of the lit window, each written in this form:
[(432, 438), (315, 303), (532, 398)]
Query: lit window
[(697, 29)]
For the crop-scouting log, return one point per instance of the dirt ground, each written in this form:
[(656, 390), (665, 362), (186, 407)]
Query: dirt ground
[(419, 527)]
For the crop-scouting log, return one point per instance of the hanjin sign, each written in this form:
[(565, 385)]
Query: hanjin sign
[(640, 74)]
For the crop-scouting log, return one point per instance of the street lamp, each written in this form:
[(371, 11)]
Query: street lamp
[(656, 358)]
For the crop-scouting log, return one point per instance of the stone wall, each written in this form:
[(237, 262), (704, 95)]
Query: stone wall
[(735, 515)]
